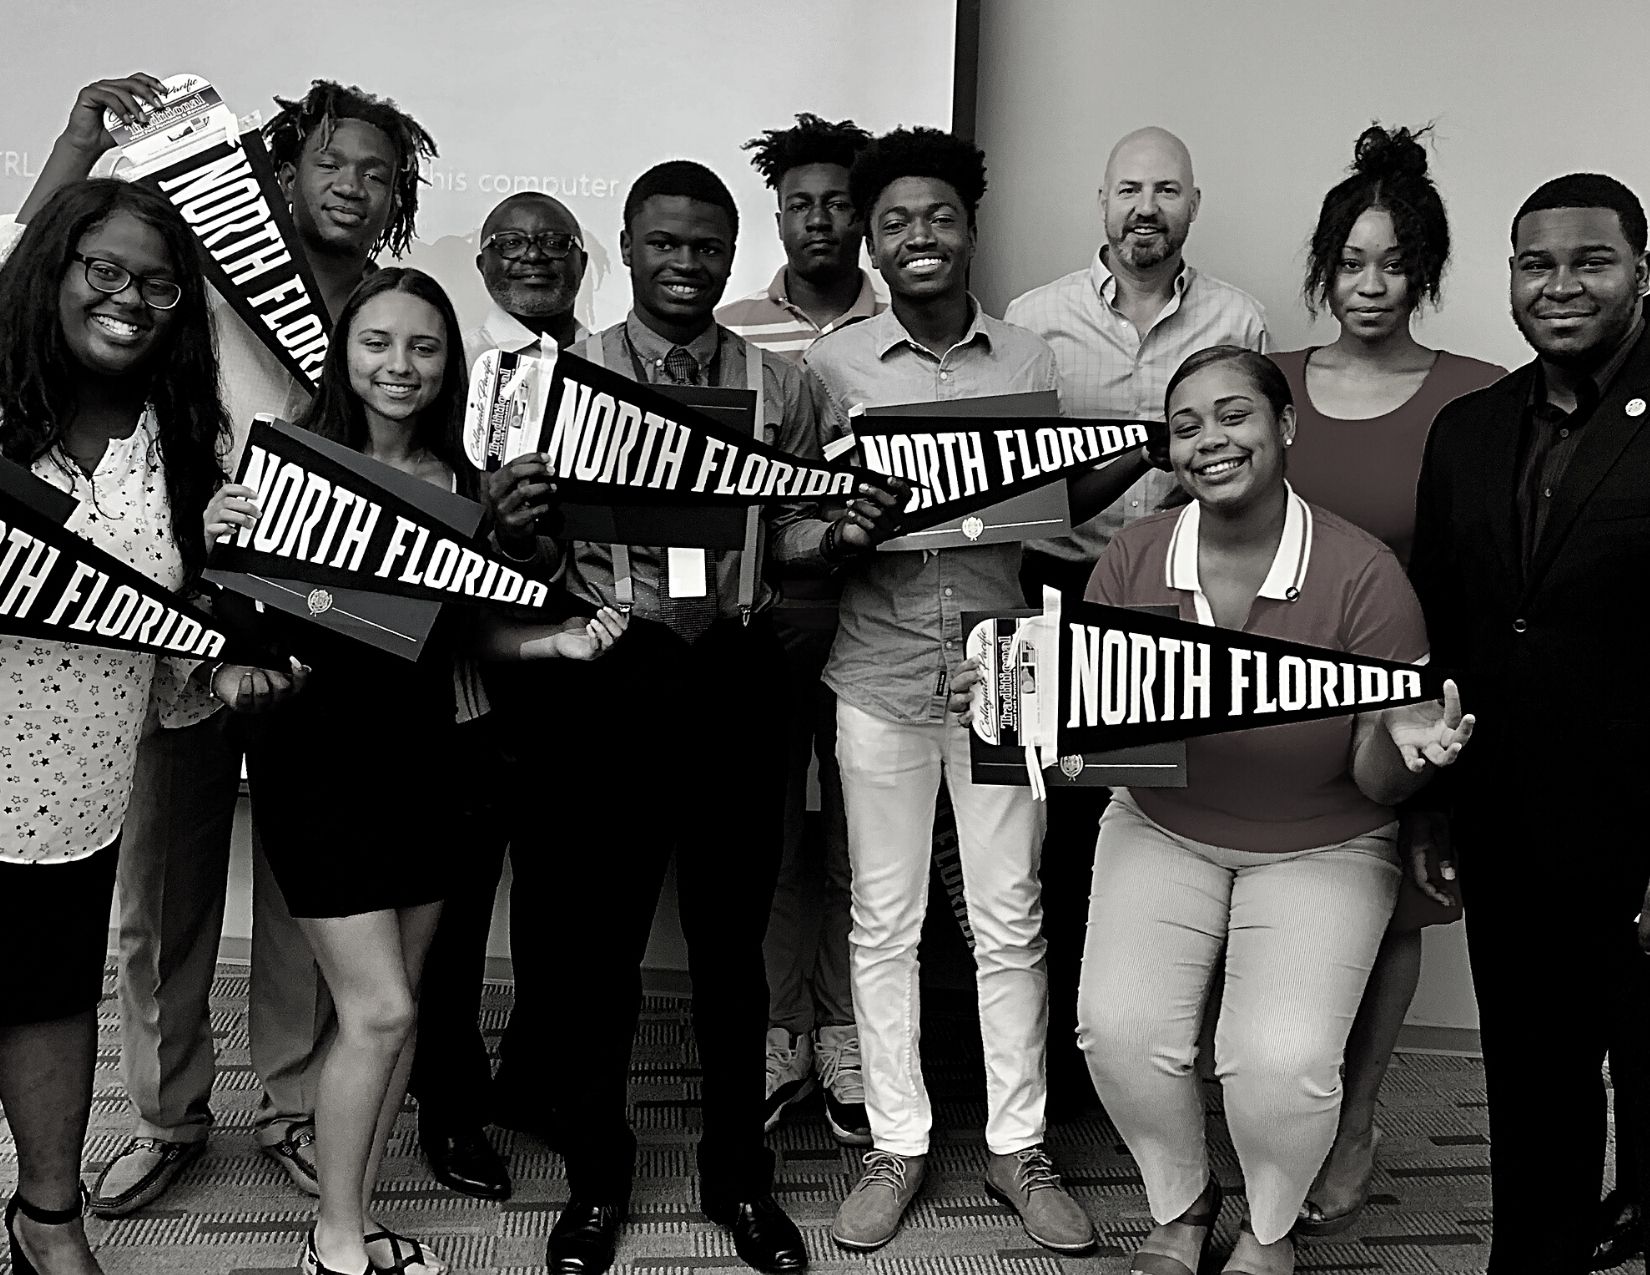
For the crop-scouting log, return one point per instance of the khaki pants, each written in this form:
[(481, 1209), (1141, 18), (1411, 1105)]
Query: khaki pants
[(1300, 932), (174, 869)]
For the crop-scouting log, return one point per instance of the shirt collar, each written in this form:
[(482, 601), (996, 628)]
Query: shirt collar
[(1602, 376), (503, 331), (1105, 282), (652, 348), (1288, 571), (864, 306), (889, 333)]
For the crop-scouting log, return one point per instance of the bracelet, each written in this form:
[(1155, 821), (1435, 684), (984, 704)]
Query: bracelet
[(499, 545)]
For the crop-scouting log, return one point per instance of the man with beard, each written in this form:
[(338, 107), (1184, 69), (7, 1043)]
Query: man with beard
[(348, 164), (532, 260), (821, 287), (1119, 329), (1532, 534)]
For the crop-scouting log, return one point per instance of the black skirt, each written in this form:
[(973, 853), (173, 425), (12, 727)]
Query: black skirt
[(54, 936)]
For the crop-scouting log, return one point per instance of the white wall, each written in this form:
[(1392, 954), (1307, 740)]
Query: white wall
[(1269, 97)]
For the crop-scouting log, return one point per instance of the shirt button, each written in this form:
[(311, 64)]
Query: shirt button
[(1563, 433), (1547, 493), (950, 644), (1134, 504), (945, 376), (948, 591), (1519, 626)]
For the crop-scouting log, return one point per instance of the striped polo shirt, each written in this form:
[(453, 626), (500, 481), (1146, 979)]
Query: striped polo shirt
[(1274, 788), (769, 320)]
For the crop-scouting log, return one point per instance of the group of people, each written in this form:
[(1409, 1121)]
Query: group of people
[(1371, 495)]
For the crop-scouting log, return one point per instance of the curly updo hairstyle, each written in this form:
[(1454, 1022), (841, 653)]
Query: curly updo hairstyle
[(1389, 172)]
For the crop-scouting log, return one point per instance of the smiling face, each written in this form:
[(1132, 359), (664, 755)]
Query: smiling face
[(1370, 294), (679, 251), (818, 226), (1576, 283), (397, 354), (1148, 200), (111, 334), (533, 285), (921, 241), (343, 187), (1225, 443)]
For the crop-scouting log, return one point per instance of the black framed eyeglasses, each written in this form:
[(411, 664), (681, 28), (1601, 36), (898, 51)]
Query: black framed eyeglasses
[(106, 276), (513, 244)]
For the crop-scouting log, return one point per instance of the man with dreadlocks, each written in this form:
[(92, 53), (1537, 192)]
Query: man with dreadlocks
[(821, 287), (349, 165)]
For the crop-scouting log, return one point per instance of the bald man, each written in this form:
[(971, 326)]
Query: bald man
[(532, 260), (1119, 329)]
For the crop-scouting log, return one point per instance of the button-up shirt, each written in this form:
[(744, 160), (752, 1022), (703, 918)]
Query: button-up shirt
[(1109, 369), (901, 628), (768, 318), (1550, 436), (794, 533), (501, 330)]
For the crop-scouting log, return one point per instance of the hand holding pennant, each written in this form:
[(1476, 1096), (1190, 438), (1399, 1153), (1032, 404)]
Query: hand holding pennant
[(59, 586)]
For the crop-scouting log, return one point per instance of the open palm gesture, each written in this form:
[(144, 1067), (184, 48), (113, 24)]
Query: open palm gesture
[(1432, 732)]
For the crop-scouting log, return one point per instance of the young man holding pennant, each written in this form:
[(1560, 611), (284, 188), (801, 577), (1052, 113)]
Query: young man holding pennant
[(706, 785), (1279, 853), (347, 162), (900, 636)]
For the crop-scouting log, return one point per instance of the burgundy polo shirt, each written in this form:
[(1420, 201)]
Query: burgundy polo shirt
[(1274, 789)]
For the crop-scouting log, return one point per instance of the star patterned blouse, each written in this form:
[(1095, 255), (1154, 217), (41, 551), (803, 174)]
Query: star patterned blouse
[(71, 715)]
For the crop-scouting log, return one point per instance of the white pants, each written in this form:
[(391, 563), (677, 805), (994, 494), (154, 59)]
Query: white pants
[(1300, 933), (891, 773)]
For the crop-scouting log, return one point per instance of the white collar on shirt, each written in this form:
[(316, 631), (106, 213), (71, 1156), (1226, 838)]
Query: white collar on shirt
[(1288, 572), (503, 331)]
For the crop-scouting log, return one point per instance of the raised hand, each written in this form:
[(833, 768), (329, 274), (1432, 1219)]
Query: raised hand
[(131, 99), (1430, 733)]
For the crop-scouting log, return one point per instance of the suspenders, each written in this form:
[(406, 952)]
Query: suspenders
[(624, 586)]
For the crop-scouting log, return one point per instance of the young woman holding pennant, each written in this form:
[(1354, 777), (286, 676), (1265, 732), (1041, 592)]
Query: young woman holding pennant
[(108, 392), (1281, 849), (361, 787)]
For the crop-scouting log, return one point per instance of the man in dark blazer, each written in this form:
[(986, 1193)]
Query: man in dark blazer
[(1532, 554)]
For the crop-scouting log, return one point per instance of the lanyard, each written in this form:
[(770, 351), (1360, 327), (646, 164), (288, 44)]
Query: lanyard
[(624, 587)]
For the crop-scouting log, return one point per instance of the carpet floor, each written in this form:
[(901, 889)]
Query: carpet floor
[(233, 1213)]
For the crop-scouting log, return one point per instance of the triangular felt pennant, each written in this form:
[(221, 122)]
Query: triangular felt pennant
[(330, 516), (966, 463), (229, 195), (1129, 678), (610, 439), (57, 585)]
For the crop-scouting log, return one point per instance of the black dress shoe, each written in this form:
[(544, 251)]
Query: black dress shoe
[(1621, 1231), (584, 1236), (465, 1161), (762, 1235)]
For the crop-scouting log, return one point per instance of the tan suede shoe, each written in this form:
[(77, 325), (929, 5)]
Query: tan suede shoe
[(871, 1214), (1027, 1183)]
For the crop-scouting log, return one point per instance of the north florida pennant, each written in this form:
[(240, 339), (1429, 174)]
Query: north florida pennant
[(329, 517), (609, 439), (1127, 677), (966, 463), (232, 201), (57, 585)]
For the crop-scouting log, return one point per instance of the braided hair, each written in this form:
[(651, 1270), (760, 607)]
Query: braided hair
[(321, 108)]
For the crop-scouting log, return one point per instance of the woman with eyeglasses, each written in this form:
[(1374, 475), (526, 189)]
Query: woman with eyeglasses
[(361, 786), (108, 391)]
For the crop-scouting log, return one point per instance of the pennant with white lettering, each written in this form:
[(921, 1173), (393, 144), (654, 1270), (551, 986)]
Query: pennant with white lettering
[(57, 585), (608, 438), (1127, 678), (224, 184), (968, 462), (327, 516)]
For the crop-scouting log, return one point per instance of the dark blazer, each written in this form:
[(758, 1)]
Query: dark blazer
[(1553, 659)]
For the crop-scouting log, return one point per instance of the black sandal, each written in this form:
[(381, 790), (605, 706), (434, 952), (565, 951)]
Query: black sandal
[(399, 1264), (1162, 1263), (20, 1263), (310, 1263)]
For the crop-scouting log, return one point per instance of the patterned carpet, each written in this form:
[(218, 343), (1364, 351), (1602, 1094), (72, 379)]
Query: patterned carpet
[(232, 1212)]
